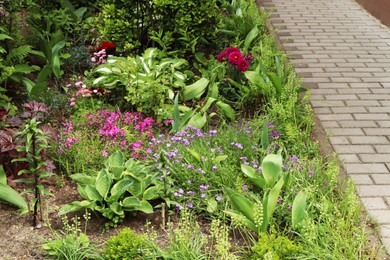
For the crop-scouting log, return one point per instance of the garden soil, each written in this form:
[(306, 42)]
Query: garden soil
[(19, 240)]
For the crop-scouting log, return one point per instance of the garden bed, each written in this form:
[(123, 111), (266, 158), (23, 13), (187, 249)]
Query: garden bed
[(175, 152)]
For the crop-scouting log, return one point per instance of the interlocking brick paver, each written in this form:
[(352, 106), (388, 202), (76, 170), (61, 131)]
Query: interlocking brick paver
[(375, 203), (343, 55)]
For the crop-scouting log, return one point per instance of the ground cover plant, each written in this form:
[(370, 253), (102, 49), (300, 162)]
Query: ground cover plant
[(198, 129)]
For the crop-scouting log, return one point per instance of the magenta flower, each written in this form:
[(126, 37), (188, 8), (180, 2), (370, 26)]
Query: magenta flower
[(104, 153), (222, 56), (235, 57), (242, 64), (232, 49)]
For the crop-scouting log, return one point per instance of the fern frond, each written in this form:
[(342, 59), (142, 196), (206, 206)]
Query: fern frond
[(18, 54)]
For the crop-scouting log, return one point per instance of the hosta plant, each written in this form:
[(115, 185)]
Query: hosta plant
[(119, 187)]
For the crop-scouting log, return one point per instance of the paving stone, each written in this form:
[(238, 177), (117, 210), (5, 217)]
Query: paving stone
[(350, 158), (356, 149), (381, 179), (368, 140), (373, 190), (382, 216), (375, 203), (369, 168), (361, 179)]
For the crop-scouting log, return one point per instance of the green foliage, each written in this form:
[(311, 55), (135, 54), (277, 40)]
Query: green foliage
[(150, 80), (33, 143), (9, 195), (70, 244), (255, 215), (127, 245), (121, 186), (178, 26), (275, 246)]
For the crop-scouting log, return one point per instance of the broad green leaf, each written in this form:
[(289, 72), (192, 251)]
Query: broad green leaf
[(9, 195), (272, 168), (208, 104), (272, 200), (198, 120), (81, 191), (236, 214), (92, 193), (226, 109), (116, 159), (117, 208), (152, 193), (76, 206), (83, 178), (137, 188), (254, 77), (56, 66), (299, 210), (253, 175), (119, 188), (195, 90), (250, 37), (145, 207), (276, 82), (3, 177), (131, 202), (241, 204), (103, 183), (220, 158)]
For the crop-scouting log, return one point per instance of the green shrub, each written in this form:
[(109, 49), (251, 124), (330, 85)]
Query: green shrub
[(274, 247), (130, 24), (126, 245)]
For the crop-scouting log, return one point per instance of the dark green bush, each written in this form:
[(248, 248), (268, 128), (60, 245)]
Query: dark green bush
[(137, 25)]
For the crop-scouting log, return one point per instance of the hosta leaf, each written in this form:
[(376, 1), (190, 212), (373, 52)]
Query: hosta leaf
[(226, 109), (116, 159), (103, 183), (76, 206), (117, 209), (81, 191), (145, 207), (131, 202), (212, 205), (3, 177), (92, 193), (137, 188), (83, 178), (152, 193), (119, 188)]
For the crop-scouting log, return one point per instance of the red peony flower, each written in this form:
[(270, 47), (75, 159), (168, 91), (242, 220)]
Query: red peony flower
[(221, 57), (242, 64), (234, 57), (108, 46)]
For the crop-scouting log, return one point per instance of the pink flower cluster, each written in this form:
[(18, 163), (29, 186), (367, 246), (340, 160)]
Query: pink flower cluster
[(83, 91), (235, 57)]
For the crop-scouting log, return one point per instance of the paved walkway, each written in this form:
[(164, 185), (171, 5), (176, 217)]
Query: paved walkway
[(343, 55)]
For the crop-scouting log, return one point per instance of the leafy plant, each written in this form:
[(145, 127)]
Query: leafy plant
[(150, 80), (257, 215), (121, 186), (126, 245), (33, 142), (274, 246), (72, 243), (8, 194)]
